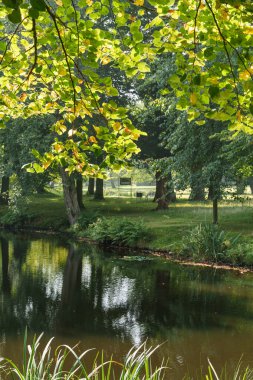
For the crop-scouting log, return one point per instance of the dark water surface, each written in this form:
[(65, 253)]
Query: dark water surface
[(77, 293)]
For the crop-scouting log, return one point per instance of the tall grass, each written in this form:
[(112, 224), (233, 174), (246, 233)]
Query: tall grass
[(64, 363), (238, 374), (49, 364), (208, 242)]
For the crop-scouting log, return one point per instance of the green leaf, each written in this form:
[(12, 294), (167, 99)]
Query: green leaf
[(197, 80), (213, 91), (34, 13), (38, 168), (143, 67), (15, 16), (183, 77), (251, 108), (38, 4), (10, 4), (208, 52)]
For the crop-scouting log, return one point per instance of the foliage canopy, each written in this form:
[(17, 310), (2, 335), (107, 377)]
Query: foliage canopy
[(51, 52)]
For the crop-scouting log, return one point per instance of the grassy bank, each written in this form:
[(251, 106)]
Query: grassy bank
[(46, 212)]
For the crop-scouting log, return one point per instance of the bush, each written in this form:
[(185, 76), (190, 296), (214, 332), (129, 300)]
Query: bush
[(85, 219), (241, 254), (17, 214), (123, 232), (208, 242)]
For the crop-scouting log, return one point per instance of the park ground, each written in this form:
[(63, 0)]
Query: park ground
[(167, 228)]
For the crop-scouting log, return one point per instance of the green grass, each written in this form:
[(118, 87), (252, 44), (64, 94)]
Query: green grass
[(65, 363), (168, 227)]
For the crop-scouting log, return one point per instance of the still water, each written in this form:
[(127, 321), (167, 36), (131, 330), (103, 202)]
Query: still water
[(80, 294)]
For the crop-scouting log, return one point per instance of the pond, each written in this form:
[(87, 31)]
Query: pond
[(80, 294)]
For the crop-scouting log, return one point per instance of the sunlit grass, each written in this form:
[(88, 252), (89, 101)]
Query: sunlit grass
[(168, 227)]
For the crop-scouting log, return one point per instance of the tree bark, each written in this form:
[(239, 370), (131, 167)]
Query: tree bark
[(70, 196), (211, 192), (215, 211), (250, 183), (170, 190), (91, 186), (160, 195), (5, 187), (240, 186), (79, 191), (99, 192)]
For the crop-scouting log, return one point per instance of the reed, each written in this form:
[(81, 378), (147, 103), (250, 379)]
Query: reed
[(49, 364)]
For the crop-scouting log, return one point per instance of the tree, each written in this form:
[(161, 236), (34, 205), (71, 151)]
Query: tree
[(65, 81), (150, 116), (198, 157), (19, 139)]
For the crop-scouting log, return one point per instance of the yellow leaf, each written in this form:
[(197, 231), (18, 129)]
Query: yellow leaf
[(86, 42), (193, 98), (244, 75), (139, 3), (116, 126), (23, 97), (105, 60), (46, 164), (62, 71), (92, 139), (239, 115), (248, 30), (57, 148), (224, 14)]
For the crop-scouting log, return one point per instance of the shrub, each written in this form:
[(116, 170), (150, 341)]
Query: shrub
[(241, 254), (208, 241), (123, 231), (45, 364), (85, 219), (17, 214)]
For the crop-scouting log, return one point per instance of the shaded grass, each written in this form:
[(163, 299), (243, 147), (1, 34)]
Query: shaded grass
[(168, 227)]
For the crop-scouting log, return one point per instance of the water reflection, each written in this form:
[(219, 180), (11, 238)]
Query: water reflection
[(78, 293)]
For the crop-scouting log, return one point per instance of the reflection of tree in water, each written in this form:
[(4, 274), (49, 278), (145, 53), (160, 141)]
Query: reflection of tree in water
[(6, 282), (94, 294), (20, 248)]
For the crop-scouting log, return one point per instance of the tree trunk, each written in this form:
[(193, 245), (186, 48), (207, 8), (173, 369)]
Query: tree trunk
[(4, 197), (160, 195), (240, 186), (215, 211), (70, 196), (211, 192), (99, 192), (79, 191), (170, 190), (250, 183), (91, 186)]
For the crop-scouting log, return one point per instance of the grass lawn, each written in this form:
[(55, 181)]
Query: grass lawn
[(167, 227)]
